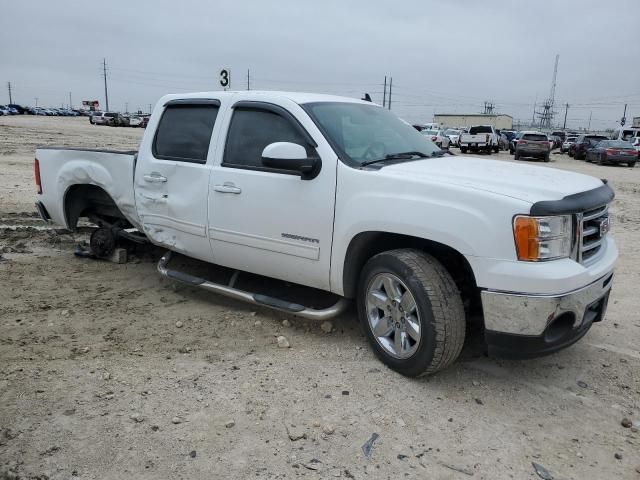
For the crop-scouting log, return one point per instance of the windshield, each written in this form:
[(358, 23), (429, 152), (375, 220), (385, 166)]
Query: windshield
[(363, 133), (452, 132), (429, 132)]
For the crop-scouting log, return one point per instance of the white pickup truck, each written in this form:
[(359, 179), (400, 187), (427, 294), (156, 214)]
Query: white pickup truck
[(340, 195), (480, 137)]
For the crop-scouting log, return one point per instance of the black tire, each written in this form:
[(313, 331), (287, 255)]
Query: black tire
[(631, 164), (438, 302), (516, 156), (547, 157), (496, 149), (463, 149)]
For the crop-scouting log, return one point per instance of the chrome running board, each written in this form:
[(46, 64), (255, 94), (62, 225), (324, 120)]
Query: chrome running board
[(255, 298)]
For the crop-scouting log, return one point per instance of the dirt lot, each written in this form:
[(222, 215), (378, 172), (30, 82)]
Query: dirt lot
[(109, 371)]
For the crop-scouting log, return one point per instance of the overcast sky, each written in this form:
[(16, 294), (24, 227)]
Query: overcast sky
[(444, 56)]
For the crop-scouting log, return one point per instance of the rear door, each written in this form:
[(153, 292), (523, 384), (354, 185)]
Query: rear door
[(172, 177), (266, 221)]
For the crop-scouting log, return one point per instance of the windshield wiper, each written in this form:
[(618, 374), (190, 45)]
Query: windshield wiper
[(396, 156), (438, 153)]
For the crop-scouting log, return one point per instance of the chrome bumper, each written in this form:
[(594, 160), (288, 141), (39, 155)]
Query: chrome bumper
[(522, 314)]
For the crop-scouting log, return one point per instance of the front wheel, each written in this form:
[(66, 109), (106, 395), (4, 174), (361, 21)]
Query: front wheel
[(463, 149), (547, 157), (411, 312), (516, 156), (631, 164)]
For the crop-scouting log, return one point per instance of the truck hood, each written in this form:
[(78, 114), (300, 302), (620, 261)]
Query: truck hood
[(529, 183)]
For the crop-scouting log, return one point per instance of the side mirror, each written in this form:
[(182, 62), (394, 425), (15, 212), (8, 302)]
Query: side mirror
[(292, 157)]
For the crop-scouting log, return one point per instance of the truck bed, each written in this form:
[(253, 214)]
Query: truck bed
[(64, 168)]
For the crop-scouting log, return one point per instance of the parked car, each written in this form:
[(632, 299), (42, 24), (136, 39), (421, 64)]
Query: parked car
[(373, 214), (636, 145), (480, 137), (93, 115), (19, 108), (454, 136), (133, 121), (438, 137), (583, 143), (8, 110), (512, 143), (626, 133), (613, 151), (557, 141), (533, 144), (4, 110), (561, 134), (567, 144), (503, 141), (112, 119)]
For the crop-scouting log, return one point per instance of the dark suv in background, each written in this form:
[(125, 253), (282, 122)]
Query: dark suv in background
[(583, 143)]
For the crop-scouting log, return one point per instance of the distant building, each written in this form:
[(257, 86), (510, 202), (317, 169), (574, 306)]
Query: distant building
[(470, 119)]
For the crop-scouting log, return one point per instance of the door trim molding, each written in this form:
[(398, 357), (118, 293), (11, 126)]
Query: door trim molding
[(180, 225), (265, 243)]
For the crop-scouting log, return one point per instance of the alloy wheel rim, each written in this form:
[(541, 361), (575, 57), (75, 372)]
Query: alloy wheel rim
[(393, 315)]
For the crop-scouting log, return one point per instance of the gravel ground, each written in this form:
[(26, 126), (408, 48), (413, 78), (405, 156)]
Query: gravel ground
[(111, 371)]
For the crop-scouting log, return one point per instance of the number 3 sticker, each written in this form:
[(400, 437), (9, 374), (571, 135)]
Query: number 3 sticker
[(224, 78)]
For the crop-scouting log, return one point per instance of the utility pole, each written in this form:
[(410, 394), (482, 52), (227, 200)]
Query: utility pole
[(104, 72), (149, 108), (390, 86), (70, 104), (126, 107), (533, 115), (36, 98), (11, 99), (623, 120), (384, 92), (589, 127), (248, 80), (566, 109)]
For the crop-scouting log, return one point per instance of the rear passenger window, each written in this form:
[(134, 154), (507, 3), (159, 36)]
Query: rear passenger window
[(251, 130), (184, 133)]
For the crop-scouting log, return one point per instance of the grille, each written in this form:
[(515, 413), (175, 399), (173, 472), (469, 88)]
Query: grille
[(595, 225)]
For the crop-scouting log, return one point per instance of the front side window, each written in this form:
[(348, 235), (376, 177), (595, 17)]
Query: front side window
[(251, 130), (184, 132)]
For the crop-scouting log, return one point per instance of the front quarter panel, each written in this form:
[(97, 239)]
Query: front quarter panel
[(473, 222)]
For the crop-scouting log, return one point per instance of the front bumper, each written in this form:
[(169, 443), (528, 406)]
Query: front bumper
[(521, 326)]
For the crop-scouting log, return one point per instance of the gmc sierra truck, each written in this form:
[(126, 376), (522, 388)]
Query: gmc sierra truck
[(340, 195)]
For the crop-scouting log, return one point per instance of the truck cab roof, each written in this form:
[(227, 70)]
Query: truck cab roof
[(264, 95)]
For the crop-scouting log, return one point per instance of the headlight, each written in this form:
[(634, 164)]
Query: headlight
[(542, 238)]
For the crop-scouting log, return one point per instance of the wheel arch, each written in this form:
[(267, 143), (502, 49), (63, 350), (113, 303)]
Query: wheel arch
[(365, 245), (90, 200)]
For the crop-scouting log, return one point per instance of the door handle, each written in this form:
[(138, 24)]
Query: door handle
[(154, 178), (227, 188)]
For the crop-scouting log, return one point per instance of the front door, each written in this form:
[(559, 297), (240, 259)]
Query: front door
[(172, 177), (267, 221)]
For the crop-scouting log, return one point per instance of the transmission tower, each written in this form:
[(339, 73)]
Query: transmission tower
[(546, 114), (489, 108)]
